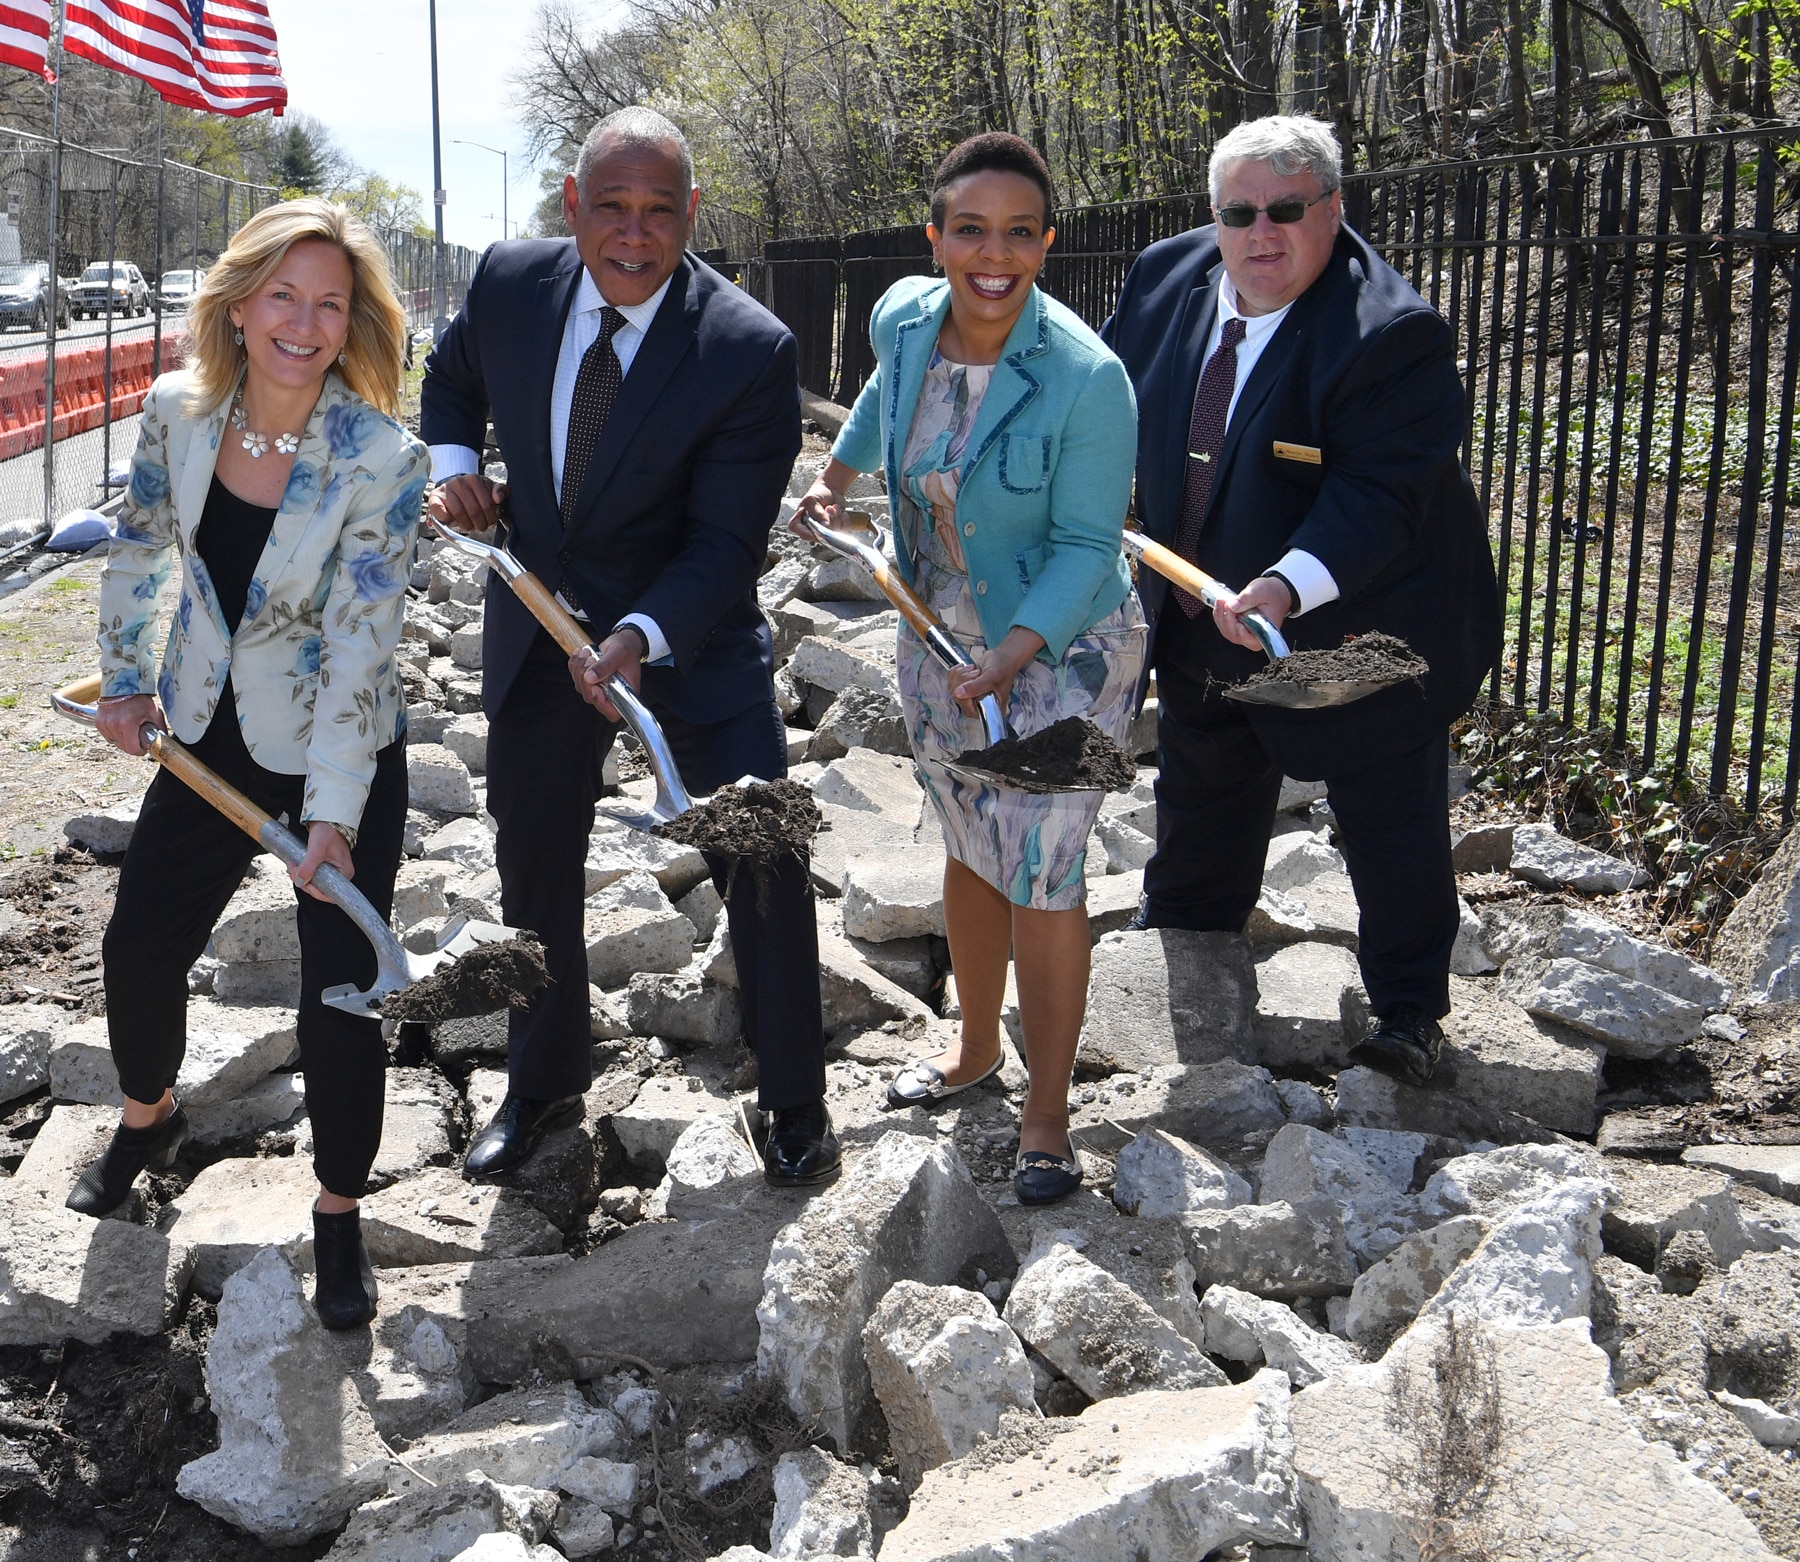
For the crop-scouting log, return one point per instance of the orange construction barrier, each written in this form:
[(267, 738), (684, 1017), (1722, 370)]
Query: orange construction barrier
[(81, 401)]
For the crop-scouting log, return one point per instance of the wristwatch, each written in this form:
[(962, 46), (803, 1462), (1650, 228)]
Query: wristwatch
[(348, 832), (1293, 595), (643, 639)]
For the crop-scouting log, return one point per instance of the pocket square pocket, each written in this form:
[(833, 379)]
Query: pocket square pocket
[(1310, 454)]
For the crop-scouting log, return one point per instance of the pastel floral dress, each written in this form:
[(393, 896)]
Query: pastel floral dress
[(1031, 847)]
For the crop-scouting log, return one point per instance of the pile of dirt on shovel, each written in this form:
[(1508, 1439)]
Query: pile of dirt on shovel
[(1069, 755), (1370, 658), (488, 978), (758, 823)]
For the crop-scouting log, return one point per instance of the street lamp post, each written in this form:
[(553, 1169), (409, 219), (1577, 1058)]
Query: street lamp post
[(504, 181), (440, 320)]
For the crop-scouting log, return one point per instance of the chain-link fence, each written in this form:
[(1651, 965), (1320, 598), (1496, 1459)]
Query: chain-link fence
[(88, 321), (88, 317)]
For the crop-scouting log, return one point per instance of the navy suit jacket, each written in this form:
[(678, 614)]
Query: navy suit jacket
[(674, 511), (1363, 371)]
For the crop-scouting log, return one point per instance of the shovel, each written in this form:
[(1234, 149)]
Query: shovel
[(672, 797), (396, 966), (1312, 694), (857, 537)]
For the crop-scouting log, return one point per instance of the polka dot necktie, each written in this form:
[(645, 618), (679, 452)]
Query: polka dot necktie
[(596, 389), (1206, 439)]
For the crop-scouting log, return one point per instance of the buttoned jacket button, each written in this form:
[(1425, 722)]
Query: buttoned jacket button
[(981, 588), (968, 529)]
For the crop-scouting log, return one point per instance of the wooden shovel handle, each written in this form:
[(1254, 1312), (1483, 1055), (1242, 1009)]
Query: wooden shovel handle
[(1172, 566), (170, 754), (549, 612), (908, 602), (85, 691)]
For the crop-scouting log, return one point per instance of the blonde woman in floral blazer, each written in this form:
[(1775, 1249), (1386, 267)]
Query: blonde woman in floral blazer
[(273, 470)]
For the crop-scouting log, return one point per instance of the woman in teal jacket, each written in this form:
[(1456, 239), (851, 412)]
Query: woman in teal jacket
[(1007, 433)]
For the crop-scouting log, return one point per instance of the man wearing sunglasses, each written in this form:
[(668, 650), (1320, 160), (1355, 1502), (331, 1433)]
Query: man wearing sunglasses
[(1300, 413)]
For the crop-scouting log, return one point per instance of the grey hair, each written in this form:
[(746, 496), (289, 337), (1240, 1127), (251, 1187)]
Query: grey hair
[(635, 126), (1289, 143)]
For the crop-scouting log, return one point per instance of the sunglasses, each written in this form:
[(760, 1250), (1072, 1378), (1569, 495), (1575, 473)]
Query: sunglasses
[(1242, 215)]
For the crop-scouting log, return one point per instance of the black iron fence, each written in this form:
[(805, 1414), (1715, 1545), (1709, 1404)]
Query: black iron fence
[(1626, 326)]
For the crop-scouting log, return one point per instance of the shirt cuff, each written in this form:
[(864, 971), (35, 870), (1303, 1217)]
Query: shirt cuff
[(1310, 579), (658, 651), (448, 461)]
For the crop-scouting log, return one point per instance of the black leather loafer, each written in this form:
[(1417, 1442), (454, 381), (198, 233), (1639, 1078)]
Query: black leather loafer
[(801, 1150), (517, 1129), (101, 1189), (1405, 1044), (345, 1295), (1042, 1178)]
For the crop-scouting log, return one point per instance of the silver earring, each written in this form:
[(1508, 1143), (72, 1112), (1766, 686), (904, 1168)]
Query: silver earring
[(344, 357), (239, 338)]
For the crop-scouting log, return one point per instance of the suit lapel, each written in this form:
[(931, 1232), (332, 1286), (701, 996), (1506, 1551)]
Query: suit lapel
[(670, 338), (914, 340), (1191, 337), (1029, 338), (199, 460), (556, 293)]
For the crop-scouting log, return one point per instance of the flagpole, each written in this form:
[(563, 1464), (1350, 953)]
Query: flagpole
[(438, 280), (156, 348), (50, 327)]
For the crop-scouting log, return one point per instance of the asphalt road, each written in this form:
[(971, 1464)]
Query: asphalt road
[(86, 333)]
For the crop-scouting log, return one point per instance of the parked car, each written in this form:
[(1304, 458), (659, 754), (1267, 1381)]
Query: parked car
[(125, 290), (25, 291), (177, 288)]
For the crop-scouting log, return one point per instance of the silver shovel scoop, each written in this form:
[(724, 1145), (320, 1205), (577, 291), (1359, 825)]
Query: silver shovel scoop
[(396, 966), (672, 797)]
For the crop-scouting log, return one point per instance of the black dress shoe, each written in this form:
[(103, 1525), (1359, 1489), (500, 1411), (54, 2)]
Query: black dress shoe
[(101, 1189), (345, 1295), (801, 1150), (1404, 1043), (1039, 1177), (517, 1129)]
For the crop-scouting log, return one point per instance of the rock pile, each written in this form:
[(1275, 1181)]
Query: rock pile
[(1299, 1310)]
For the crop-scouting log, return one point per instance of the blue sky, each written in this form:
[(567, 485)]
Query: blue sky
[(363, 67)]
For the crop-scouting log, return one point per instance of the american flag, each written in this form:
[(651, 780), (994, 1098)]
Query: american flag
[(217, 56), (25, 37)]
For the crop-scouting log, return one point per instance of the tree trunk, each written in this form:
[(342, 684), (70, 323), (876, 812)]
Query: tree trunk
[(1562, 74), (1257, 30), (1337, 79), (1518, 86)]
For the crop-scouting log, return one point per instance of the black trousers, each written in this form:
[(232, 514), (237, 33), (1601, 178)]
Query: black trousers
[(1216, 792), (546, 747), (185, 861)]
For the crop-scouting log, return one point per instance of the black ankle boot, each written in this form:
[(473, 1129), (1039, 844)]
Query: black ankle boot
[(101, 1189), (345, 1295)]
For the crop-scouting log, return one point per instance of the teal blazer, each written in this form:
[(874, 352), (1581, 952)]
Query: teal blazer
[(1043, 490)]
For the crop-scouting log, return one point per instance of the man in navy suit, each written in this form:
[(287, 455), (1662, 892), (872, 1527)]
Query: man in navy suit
[(649, 416), (1300, 413)]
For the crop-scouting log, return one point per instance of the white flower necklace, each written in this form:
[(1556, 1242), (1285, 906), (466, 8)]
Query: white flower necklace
[(258, 444)]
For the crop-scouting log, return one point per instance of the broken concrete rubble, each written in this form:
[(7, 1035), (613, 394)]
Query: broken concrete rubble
[(1562, 1466), (297, 1449), (945, 1368), (1096, 1330), (909, 1212), (1160, 1474)]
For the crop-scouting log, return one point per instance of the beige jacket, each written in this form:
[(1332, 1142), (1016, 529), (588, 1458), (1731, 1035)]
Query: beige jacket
[(312, 663)]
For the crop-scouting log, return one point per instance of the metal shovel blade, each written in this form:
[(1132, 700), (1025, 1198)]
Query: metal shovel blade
[(398, 967), (1314, 694), (395, 965)]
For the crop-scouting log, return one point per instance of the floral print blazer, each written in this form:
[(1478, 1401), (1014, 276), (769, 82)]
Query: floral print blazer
[(312, 662)]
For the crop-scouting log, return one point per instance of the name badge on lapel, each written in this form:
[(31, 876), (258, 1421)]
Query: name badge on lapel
[(1310, 454)]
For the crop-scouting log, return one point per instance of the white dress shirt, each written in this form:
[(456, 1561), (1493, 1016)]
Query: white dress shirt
[(1311, 581), (579, 333)]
